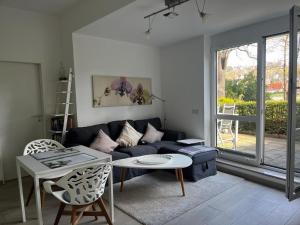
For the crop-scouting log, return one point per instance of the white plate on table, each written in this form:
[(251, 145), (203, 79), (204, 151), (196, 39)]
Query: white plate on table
[(154, 159)]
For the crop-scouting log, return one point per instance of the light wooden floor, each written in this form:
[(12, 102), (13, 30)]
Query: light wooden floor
[(247, 203)]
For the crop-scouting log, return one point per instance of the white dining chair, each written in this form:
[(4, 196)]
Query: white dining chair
[(82, 190), (225, 126), (37, 146)]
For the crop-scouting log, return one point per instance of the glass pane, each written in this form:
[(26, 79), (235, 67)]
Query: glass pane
[(238, 136), (276, 100), (237, 80)]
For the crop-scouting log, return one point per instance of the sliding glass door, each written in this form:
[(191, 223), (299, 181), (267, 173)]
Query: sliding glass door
[(237, 101), (293, 153), (257, 103)]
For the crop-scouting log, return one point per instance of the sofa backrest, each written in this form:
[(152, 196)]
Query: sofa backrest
[(115, 127), (86, 135), (141, 125)]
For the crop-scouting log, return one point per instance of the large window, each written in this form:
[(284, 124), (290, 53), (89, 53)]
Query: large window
[(237, 99)]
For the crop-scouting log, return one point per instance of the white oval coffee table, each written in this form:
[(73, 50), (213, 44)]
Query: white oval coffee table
[(168, 161)]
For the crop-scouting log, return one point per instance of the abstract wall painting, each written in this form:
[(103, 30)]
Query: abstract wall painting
[(121, 91)]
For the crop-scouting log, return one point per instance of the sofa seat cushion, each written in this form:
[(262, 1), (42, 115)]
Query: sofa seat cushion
[(197, 158), (204, 157), (165, 144), (138, 150), (118, 155)]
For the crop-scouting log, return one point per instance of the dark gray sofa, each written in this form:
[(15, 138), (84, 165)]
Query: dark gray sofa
[(85, 136)]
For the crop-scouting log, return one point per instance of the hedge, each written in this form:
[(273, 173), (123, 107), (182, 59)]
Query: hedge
[(276, 113)]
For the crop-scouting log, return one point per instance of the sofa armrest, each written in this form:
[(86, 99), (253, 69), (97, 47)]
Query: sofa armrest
[(172, 135)]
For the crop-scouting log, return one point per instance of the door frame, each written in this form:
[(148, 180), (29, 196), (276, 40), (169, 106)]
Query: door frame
[(41, 76)]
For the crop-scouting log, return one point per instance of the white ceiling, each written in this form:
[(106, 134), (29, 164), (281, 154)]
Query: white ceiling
[(42, 6), (128, 24)]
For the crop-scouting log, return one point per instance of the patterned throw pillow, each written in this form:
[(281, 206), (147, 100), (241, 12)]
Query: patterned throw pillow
[(152, 135), (103, 143), (129, 137)]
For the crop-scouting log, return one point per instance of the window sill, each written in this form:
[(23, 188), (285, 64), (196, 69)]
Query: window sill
[(257, 174)]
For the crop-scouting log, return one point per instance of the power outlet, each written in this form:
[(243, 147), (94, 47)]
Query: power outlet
[(195, 111)]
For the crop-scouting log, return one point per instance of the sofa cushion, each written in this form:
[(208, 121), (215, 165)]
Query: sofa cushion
[(197, 158), (118, 155), (165, 144), (84, 135), (129, 137), (152, 135), (115, 127), (141, 125), (138, 150), (172, 135), (103, 143)]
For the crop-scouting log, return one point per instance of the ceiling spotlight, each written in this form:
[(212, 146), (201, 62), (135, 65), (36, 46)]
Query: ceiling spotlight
[(148, 31), (171, 14), (203, 15)]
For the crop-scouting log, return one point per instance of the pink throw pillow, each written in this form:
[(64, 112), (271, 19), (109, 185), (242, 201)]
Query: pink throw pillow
[(103, 143), (152, 135)]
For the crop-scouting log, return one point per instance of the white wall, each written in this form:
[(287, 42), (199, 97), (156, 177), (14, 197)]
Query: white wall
[(82, 14), (249, 34), (99, 56), (185, 86), (34, 38)]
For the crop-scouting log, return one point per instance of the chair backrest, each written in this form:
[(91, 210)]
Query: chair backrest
[(227, 110), (85, 185), (41, 145)]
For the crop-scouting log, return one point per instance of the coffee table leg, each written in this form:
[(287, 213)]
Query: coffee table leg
[(180, 175), (123, 177), (176, 173)]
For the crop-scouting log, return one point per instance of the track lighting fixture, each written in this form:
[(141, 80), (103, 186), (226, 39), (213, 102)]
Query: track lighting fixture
[(170, 7), (171, 14)]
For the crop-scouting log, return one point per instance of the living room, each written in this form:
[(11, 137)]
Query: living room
[(207, 76)]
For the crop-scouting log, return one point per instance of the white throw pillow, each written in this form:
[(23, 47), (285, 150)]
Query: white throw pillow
[(103, 143), (129, 137), (152, 135)]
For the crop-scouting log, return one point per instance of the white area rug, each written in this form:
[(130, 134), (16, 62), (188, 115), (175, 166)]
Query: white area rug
[(155, 199)]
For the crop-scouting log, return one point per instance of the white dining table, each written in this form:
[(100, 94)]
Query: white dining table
[(37, 170)]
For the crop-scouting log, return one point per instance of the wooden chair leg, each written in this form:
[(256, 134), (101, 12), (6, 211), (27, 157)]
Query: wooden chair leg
[(59, 213), (94, 208), (43, 195), (73, 216), (30, 194), (102, 207)]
